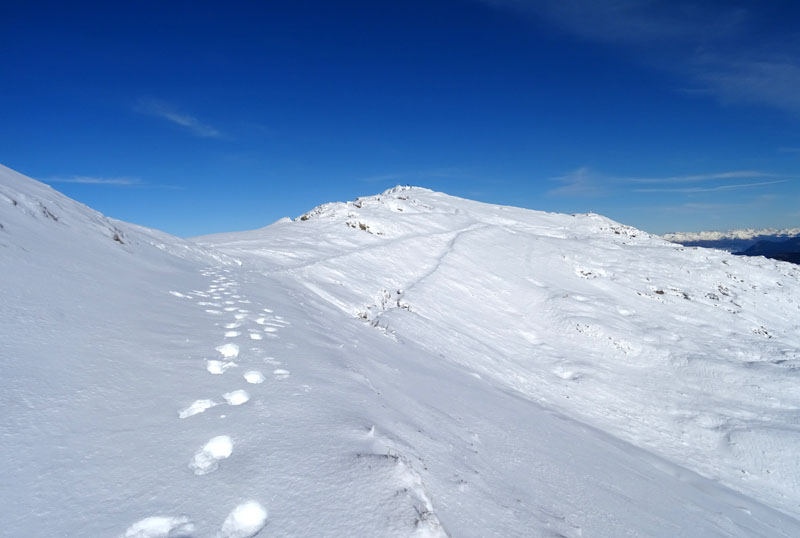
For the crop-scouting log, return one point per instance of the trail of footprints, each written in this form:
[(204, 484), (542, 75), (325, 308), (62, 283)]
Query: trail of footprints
[(222, 299), (381, 457)]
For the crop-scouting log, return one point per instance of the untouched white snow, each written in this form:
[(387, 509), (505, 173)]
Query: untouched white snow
[(439, 367)]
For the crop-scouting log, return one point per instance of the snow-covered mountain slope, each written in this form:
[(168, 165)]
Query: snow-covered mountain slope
[(410, 364)]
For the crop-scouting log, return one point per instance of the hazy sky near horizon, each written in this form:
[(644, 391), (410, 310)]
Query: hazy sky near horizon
[(201, 117)]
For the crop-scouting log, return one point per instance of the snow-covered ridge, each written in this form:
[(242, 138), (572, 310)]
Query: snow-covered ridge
[(578, 312), (404, 209), (450, 369), (37, 216)]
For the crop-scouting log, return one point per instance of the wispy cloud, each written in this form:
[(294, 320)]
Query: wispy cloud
[(580, 182), (634, 21), (720, 50), (713, 189), (586, 182), (125, 182), (92, 180), (738, 174), (161, 110), (693, 207)]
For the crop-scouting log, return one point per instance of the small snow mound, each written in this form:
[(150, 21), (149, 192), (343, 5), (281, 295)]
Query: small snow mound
[(229, 351), (244, 521), (254, 376), (325, 210), (403, 188), (237, 397), (218, 367), (160, 527)]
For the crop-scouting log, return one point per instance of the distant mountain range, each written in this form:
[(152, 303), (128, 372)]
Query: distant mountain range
[(770, 243)]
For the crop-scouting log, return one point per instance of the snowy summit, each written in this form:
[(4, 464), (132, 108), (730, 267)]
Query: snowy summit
[(409, 364)]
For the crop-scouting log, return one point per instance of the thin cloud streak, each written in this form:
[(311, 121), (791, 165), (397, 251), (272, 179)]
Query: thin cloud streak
[(161, 110), (584, 181), (700, 177), (124, 182), (90, 180), (714, 189)]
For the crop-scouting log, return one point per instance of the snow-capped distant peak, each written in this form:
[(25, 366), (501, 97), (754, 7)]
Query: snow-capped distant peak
[(746, 233)]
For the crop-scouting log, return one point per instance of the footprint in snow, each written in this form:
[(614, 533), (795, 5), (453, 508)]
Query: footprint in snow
[(232, 325), (210, 311), (230, 308), (218, 367), (240, 316), (270, 329), (229, 351), (237, 397), (179, 294), (256, 336), (160, 527), (207, 459), (254, 376), (199, 406), (244, 521), (232, 334), (280, 373)]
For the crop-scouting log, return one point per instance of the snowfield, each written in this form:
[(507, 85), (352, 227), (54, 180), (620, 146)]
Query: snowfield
[(404, 365)]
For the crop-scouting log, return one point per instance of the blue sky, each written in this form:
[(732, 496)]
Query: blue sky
[(201, 117)]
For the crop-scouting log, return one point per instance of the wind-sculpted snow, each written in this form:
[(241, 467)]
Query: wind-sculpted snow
[(578, 313), (448, 369)]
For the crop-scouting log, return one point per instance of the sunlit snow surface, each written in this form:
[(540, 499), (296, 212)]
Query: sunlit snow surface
[(431, 367)]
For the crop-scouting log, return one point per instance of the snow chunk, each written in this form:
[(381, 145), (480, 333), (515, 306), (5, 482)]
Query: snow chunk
[(218, 367), (237, 397), (254, 376), (229, 351), (199, 406), (244, 521), (160, 527)]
